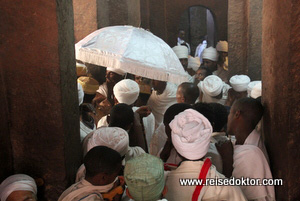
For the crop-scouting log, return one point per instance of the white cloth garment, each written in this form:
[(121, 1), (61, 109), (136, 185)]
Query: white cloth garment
[(17, 182), (181, 51), (194, 63), (85, 191), (191, 133), (116, 70), (215, 157), (103, 89), (256, 91), (158, 140), (250, 87), (180, 42), (191, 169), (199, 50), (84, 130), (126, 91), (80, 93), (250, 162), (210, 54), (148, 123), (239, 82), (160, 103), (222, 46), (254, 138)]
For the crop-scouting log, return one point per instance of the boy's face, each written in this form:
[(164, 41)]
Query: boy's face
[(200, 74)]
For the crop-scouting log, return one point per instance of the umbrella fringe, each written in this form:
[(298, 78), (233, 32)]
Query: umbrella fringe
[(113, 61)]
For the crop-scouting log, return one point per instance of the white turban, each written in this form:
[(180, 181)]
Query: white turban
[(222, 46), (239, 82), (256, 91), (144, 176), (250, 86), (116, 70), (80, 93), (112, 137), (181, 51), (212, 85), (210, 54), (191, 133), (194, 63), (126, 91), (17, 182)]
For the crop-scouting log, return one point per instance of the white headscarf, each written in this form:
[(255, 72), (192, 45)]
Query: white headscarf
[(212, 85), (191, 133), (80, 93), (194, 63), (181, 51), (222, 46), (126, 91), (256, 91), (116, 70), (239, 82), (112, 137), (251, 85), (210, 54), (17, 182)]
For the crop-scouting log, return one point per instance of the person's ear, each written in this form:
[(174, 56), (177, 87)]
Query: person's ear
[(237, 114), (164, 192), (182, 99), (128, 194)]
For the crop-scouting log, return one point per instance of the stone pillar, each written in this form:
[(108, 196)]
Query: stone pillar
[(281, 92), (244, 37), (237, 36), (39, 93), (118, 12), (85, 18)]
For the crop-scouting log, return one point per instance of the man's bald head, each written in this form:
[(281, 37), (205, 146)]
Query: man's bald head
[(187, 93)]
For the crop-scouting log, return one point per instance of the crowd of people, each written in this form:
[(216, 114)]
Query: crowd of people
[(142, 138)]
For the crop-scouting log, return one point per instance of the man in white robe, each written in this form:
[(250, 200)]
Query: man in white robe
[(181, 41), (162, 97), (249, 152), (199, 50), (191, 133), (102, 167)]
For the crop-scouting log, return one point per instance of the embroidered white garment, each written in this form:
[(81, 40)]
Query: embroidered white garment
[(160, 103)]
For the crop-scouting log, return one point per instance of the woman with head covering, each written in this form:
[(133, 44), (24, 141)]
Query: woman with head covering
[(18, 187), (191, 133)]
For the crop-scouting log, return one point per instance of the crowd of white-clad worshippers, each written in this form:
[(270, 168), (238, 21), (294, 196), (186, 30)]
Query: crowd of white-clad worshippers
[(149, 140)]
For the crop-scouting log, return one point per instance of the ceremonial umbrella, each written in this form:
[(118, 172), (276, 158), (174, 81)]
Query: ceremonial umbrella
[(134, 50)]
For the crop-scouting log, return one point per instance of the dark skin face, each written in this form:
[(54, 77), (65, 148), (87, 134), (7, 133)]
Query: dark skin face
[(200, 74), (222, 56), (112, 77), (21, 196), (181, 35), (212, 65), (159, 86), (184, 63)]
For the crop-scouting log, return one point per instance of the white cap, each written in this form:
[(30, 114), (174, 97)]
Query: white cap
[(239, 83), (210, 54), (181, 51), (251, 85), (126, 91), (256, 91), (212, 85), (194, 63)]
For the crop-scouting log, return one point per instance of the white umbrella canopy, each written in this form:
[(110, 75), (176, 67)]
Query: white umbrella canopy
[(134, 50)]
